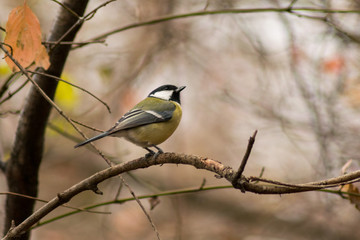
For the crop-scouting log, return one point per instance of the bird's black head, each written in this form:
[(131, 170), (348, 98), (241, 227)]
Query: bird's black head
[(167, 92)]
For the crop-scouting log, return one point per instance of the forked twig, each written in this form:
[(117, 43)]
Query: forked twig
[(235, 181), (80, 21), (10, 94)]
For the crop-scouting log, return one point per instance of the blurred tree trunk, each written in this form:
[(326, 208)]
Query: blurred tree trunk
[(23, 166)]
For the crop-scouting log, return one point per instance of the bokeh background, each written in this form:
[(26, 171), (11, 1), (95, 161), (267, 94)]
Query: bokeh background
[(292, 76)]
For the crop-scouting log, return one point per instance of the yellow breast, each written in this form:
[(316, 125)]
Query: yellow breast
[(155, 133)]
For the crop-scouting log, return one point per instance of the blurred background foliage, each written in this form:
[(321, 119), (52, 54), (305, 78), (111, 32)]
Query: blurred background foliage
[(293, 76)]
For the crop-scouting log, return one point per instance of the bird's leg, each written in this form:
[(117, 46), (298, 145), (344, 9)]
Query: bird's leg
[(158, 152), (151, 152), (159, 149)]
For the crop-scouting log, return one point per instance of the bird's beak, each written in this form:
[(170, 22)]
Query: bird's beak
[(180, 88)]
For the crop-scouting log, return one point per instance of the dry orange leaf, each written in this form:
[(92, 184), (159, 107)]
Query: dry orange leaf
[(23, 34), (352, 188), (42, 58)]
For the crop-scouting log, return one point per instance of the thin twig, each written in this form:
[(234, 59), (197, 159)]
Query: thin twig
[(63, 133), (73, 137), (221, 11), (72, 43), (277, 183), (13, 112), (243, 162), (67, 8), (147, 196), (92, 13), (142, 207), (311, 186), (119, 190), (7, 83), (10, 94), (80, 21), (301, 15), (262, 172), (86, 126), (9, 46), (44, 201), (71, 84), (352, 36), (291, 5), (202, 184)]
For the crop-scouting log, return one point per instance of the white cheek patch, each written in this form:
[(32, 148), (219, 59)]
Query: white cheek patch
[(165, 94)]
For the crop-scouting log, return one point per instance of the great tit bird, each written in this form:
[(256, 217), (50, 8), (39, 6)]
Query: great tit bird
[(151, 121)]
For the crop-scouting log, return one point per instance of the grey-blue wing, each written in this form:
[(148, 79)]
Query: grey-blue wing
[(140, 117)]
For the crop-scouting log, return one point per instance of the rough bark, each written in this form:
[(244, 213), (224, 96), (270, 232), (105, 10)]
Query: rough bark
[(23, 167)]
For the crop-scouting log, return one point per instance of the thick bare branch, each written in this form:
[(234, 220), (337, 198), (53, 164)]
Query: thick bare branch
[(172, 158)]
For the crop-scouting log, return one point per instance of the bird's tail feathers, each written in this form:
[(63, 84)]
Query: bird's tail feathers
[(104, 134)]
